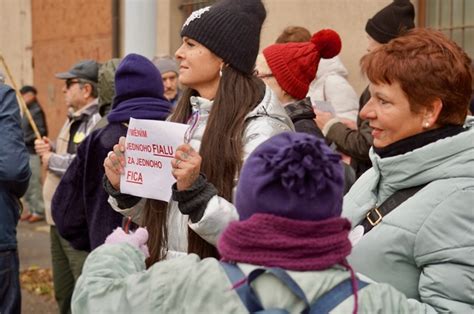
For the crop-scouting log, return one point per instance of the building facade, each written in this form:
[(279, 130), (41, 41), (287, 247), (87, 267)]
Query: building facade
[(48, 36), (15, 40)]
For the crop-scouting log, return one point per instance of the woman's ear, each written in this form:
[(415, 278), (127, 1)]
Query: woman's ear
[(432, 112), (221, 68)]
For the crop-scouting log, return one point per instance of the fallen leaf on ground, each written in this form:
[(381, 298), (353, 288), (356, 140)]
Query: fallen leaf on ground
[(38, 281)]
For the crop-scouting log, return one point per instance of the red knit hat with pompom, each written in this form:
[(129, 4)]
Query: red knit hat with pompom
[(294, 65)]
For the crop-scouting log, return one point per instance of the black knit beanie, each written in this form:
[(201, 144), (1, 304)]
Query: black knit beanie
[(391, 21), (230, 29)]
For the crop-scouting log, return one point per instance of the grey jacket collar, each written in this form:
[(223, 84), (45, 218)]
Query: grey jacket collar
[(443, 159), (88, 110), (201, 104)]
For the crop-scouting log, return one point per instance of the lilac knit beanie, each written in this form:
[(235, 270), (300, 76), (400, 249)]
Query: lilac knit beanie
[(292, 175)]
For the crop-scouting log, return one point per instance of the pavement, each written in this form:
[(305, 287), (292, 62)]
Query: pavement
[(34, 250)]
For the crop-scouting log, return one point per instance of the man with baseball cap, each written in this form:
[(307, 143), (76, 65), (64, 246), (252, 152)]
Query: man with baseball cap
[(86, 69), (80, 93)]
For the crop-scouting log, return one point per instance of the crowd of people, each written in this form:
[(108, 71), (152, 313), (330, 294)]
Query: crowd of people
[(291, 194)]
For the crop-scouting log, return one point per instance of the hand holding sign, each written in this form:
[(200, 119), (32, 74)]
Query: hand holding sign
[(115, 162), (186, 166), (322, 118), (324, 106), (147, 155)]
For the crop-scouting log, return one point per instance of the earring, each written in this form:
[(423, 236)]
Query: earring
[(426, 125), (220, 70)]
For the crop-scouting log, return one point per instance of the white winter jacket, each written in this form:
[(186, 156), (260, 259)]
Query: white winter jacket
[(332, 86)]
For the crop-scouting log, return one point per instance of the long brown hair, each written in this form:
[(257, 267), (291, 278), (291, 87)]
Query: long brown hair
[(221, 147), (154, 218), (221, 152)]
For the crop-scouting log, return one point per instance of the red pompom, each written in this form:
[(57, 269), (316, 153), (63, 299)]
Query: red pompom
[(327, 42)]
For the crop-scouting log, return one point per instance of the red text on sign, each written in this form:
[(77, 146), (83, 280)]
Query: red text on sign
[(134, 177)]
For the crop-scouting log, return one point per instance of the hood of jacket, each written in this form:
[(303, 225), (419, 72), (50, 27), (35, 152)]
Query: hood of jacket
[(331, 66), (106, 85)]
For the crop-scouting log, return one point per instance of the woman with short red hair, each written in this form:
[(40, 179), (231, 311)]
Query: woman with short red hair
[(414, 205)]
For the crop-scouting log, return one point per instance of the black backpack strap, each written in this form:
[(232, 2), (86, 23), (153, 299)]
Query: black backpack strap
[(328, 301), (375, 215)]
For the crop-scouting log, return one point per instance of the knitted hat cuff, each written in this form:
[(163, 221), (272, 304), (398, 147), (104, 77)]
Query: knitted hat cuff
[(377, 34), (202, 35), (165, 65), (214, 41), (391, 21), (230, 29), (137, 77), (145, 101), (285, 78)]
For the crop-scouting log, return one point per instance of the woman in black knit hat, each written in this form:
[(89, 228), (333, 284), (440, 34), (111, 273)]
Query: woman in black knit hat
[(230, 113), (390, 22)]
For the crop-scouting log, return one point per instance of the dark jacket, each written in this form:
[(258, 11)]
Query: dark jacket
[(176, 98), (79, 206), (302, 115), (14, 167), (38, 116), (354, 143)]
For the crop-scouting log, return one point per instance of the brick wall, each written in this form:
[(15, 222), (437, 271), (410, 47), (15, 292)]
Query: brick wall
[(65, 32)]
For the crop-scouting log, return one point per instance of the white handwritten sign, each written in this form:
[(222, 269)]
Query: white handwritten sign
[(149, 148), (325, 106)]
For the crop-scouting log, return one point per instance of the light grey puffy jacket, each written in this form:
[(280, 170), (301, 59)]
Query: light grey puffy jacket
[(114, 280), (425, 246)]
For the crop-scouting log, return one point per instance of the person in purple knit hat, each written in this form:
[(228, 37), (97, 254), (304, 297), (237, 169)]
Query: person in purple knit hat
[(287, 251), (80, 209)]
